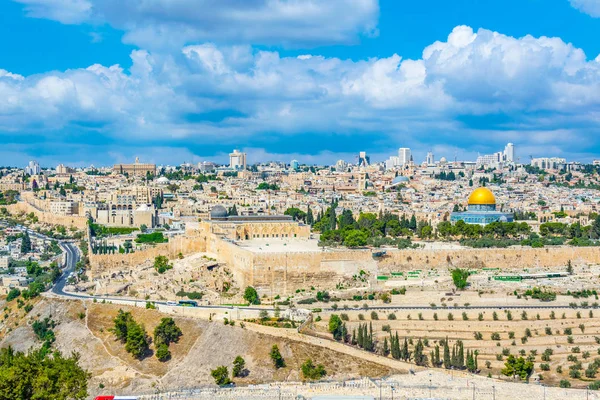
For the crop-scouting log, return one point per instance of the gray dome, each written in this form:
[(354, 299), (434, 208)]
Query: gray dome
[(400, 179), (218, 212)]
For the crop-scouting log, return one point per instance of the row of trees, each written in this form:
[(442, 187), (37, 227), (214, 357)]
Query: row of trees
[(132, 334), (369, 228), (136, 339)]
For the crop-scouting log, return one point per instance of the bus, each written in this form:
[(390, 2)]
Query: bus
[(171, 303), (188, 303)]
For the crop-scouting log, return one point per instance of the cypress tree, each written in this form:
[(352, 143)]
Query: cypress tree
[(454, 363), (437, 356), (405, 352), (359, 338), (386, 348), (420, 358), (395, 345), (461, 355), (447, 359)]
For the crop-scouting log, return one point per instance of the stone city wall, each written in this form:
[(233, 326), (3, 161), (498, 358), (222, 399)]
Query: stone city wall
[(284, 273), (106, 264), (526, 257), (48, 218)]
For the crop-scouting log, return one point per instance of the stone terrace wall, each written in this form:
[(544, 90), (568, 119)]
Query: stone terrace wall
[(68, 221)]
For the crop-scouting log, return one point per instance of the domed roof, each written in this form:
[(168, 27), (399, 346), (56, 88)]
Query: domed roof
[(218, 212), (482, 196), (400, 179)]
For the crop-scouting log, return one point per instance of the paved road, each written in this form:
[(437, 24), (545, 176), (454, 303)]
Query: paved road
[(72, 257)]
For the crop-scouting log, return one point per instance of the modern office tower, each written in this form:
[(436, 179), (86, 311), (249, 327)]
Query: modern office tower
[(363, 159), (341, 166), (509, 153), (237, 160), (294, 165), (404, 155), (33, 168), (430, 158)]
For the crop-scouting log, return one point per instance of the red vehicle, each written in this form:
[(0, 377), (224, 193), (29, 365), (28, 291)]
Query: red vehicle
[(115, 398)]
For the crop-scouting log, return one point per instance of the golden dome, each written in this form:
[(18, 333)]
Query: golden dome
[(482, 196)]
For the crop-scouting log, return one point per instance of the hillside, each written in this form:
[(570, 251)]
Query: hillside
[(203, 346)]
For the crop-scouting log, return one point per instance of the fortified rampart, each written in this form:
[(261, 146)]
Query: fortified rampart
[(102, 264), (285, 272), (22, 207)]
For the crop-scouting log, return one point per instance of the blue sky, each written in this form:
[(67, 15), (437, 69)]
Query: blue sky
[(99, 81)]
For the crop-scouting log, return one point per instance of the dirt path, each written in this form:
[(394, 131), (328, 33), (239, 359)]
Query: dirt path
[(332, 345)]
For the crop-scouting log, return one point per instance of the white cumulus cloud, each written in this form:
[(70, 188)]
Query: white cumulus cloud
[(591, 7), (168, 23)]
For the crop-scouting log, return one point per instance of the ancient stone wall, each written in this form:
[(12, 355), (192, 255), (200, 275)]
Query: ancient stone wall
[(49, 218), (285, 272), (106, 264), (526, 257)]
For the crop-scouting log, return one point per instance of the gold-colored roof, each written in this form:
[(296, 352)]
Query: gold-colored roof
[(482, 196)]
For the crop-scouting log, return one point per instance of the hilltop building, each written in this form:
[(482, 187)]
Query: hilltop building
[(135, 169), (481, 209)]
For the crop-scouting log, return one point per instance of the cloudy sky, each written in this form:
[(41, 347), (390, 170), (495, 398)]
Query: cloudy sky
[(100, 81)]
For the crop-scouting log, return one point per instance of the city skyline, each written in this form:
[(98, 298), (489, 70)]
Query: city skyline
[(388, 75)]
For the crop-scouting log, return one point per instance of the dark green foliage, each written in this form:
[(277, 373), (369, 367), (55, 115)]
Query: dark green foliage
[(251, 296), (120, 325), (151, 238), (239, 366), (267, 186), (517, 367), (221, 375), (167, 332), (276, 357), (13, 294), (161, 264), (162, 352), (459, 277), (103, 231), (311, 371), (38, 375), (190, 295), (336, 327), (25, 243), (131, 333), (419, 357), (364, 337), (137, 343)]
